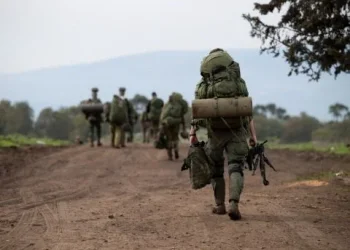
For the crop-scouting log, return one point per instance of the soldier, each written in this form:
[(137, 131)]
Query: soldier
[(118, 117), (154, 109), (95, 120), (227, 134), (132, 115), (146, 125), (171, 119)]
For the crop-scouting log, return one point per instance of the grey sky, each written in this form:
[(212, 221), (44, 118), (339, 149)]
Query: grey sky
[(46, 33)]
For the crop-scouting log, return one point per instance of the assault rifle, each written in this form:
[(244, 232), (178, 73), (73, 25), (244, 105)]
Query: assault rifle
[(257, 156)]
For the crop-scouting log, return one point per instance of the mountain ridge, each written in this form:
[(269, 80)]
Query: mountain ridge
[(168, 71)]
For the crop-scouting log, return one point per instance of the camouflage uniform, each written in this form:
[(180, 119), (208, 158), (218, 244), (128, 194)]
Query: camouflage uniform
[(172, 111), (154, 130), (232, 140), (118, 129), (95, 120), (132, 116)]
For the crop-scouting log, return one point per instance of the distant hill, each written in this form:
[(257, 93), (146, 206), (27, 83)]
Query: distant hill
[(168, 71)]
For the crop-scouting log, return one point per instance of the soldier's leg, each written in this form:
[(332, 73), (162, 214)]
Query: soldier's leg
[(216, 153), (117, 140), (112, 130), (122, 136), (98, 132), (91, 133), (131, 134), (237, 150), (169, 147), (175, 132), (155, 128)]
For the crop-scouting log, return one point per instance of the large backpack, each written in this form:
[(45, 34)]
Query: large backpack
[(178, 97), (118, 111), (172, 114), (156, 106), (221, 79)]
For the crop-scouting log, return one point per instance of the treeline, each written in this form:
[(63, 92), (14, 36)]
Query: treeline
[(271, 121)]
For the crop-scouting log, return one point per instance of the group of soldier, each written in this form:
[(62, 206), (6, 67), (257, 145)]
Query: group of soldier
[(158, 120), (220, 78)]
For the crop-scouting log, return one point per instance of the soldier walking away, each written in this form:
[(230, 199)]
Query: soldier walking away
[(132, 116), (220, 79), (154, 110), (171, 118), (95, 120), (118, 117)]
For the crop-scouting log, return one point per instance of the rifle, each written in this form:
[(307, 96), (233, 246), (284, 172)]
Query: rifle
[(257, 156)]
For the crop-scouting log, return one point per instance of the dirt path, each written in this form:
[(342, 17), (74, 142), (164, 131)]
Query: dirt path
[(102, 198)]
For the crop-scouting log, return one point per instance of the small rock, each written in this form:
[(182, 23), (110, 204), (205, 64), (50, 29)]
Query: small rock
[(106, 241), (111, 216)]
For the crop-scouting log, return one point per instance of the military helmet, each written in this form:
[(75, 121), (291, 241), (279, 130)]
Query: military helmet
[(215, 50), (94, 89), (122, 89)]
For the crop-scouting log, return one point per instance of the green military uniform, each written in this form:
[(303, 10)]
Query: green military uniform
[(117, 119), (154, 109), (94, 120), (146, 125), (227, 135), (171, 119), (132, 115)]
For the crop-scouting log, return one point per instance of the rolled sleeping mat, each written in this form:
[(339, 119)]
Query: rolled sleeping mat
[(92, 108), (222, 107)]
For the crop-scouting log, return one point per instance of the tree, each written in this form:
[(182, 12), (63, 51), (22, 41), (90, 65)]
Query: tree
[(271, 108), (314, 35), (260, 110), (299, 129), (338, 110), (139, 102), (5, 111), (44, 121), (281, 113), (20, 119)]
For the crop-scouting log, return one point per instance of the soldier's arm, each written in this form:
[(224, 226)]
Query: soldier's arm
[(199, 94), (250, 118)]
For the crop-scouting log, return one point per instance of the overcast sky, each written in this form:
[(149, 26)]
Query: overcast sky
[(46, 33)]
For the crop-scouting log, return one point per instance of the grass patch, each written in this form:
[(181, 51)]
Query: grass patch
[(339, 149), (21, 140)]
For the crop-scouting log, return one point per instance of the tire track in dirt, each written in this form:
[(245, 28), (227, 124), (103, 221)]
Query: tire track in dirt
[(13, 238), (307, 232)]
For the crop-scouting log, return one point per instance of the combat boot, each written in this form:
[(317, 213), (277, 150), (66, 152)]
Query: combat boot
[(233, 212), (218, 185)]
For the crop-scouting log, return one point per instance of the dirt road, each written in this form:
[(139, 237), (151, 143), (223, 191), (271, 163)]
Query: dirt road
[(103, 198)]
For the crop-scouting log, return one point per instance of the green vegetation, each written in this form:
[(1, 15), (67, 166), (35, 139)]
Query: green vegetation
[(312, 35), (21, 140), (339, 149)]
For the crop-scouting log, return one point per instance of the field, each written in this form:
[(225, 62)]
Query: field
[(78, 197), (20, 140)]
